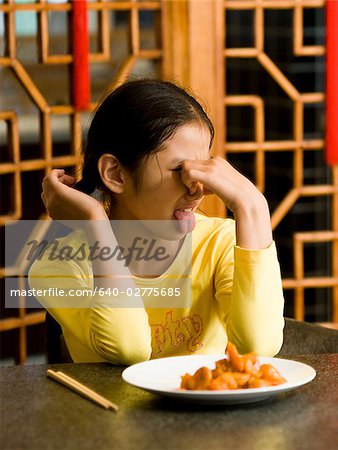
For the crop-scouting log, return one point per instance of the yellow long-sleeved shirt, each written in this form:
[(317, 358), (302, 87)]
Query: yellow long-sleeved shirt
[(236, 294)]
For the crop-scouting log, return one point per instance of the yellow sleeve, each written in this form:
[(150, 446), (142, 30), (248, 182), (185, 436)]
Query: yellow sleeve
[(118, 335), (249, 293)]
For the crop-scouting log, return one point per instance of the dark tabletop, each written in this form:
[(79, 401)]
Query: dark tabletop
[(38, 413)]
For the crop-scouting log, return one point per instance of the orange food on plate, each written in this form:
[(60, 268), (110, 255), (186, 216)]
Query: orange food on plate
[(234, 372)]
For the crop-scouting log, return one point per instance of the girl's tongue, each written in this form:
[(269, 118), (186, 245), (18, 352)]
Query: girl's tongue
[(186, 221)]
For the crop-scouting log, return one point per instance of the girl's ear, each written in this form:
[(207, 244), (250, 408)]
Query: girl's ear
[(111, 173)]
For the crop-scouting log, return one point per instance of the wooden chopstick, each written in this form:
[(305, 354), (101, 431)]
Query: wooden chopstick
[(80, 388), (110, 404), (85, 389)]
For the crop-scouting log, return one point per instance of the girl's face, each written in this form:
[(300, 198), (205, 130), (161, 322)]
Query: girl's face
[(161, 192)]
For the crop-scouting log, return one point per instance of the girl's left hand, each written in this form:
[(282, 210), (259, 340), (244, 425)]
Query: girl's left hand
[(253, 228), (219, 177)]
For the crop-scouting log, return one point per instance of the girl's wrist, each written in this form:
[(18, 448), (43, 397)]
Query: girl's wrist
[(96, 223), (253, 227), (247, 203), (98, 214), (250, 205)]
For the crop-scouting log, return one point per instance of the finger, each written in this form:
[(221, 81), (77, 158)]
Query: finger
[(201, 186), (54, 180), (207, 191), (199, 190), (43, 198), (53, 176), (192, 188), (67, 179), (195, 188), (57, 173), (193, 176), (195, 163)]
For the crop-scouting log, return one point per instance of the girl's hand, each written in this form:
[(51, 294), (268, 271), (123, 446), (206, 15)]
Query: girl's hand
[(63, 202), (253, 228), (219, 177)]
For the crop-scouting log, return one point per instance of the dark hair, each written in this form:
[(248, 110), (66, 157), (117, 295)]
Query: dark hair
[(133, 122)]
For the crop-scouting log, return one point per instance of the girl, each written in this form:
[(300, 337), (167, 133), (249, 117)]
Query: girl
[(147, 165)]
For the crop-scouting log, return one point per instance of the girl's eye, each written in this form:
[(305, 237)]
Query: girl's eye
[(177, 169)]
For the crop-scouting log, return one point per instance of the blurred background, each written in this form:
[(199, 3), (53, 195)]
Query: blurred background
[(257, 67)]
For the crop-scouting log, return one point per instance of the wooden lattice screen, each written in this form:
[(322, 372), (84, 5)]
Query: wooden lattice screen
[(298, 145), (184, 40)]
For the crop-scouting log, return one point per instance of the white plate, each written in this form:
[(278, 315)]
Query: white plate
[(163, 377)]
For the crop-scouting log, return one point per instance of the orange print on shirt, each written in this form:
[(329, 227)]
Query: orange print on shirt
[(183, 332)]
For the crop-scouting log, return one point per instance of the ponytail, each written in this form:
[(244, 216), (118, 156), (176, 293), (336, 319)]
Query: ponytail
[(91, 180), (90, 177)]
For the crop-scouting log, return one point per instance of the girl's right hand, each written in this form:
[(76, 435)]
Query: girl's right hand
[(63, 202)]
